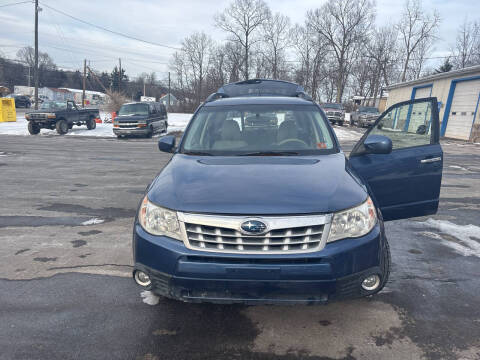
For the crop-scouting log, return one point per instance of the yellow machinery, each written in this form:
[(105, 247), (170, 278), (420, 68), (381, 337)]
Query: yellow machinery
[(7, 110)]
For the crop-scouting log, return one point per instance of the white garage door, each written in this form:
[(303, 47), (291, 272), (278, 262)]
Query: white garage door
[(462, 110), (423, 92)]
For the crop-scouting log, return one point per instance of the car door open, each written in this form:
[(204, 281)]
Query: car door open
[(400, 159)]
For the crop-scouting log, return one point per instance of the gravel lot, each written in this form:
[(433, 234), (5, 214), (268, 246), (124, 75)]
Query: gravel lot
[(66, 211)]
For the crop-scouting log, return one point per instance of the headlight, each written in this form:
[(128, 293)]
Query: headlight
[(159, 221), (354, 222)]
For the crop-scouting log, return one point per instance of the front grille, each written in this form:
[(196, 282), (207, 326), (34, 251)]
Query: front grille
[(294, 239), (334, 113), (128, 125), (38, 116)]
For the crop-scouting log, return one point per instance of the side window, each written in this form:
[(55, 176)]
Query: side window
[(407, 125), (164, 109)]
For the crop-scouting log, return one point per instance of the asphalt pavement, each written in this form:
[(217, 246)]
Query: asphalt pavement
[(66, 211)]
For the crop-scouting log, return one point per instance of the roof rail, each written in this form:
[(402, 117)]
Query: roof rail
[(215, 96), (303, 95), (260, 87)]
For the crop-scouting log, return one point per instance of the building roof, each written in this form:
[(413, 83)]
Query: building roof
[(86, 91), (166, 96), (444, 75), (59, 90)]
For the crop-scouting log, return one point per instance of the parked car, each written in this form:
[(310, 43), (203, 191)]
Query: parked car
[(252, 210), (364, 116), (335, 113), (141, 118), (21, 101), (60, 116)]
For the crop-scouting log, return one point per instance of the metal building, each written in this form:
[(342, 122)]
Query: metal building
[(458, 95)]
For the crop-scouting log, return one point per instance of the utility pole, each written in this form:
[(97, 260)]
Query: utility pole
[(144, 93), (119, 74), (36, 54), (29, 79), (84, 79), (169, 91)]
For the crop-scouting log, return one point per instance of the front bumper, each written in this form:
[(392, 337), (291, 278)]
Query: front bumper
[(367, 121), (131, 131), (335, 272), (335, 118)]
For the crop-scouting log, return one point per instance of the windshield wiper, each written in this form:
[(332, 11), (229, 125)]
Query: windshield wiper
[(270, 153), (201, 153)]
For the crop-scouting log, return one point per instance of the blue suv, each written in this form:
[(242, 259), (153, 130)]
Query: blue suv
[(259, 204)]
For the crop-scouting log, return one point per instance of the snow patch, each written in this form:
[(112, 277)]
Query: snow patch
[(178, 121), (149, 298), (468, 236), (93, 221), (344, 134)]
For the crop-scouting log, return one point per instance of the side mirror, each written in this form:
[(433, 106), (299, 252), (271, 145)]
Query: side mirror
[(378, 144), (167, 143)]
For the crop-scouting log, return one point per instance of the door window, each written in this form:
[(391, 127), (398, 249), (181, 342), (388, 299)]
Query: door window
[(407, 125)]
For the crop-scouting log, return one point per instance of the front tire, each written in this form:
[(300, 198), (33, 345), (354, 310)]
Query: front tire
[(91, 124), (62, 127), (33, 128)]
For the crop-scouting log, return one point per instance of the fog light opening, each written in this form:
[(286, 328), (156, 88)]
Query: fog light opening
[(371, 282), (142, 278)]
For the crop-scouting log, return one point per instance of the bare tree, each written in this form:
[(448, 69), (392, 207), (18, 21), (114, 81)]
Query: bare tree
[(27, 56), (276, 38), (467, 47), (383, 48), (376, 65), (181, 78), (315, 63), (344, 25), (197, 48), (234, 60), (416, 28), (242, 19), (217, 69), (417, 69)]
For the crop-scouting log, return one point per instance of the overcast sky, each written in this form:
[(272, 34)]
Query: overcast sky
[(167, 22)]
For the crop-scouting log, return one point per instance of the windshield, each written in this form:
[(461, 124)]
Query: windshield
[(333, 106), (53, 105), (134, 109), (368, 109), (258, 130)]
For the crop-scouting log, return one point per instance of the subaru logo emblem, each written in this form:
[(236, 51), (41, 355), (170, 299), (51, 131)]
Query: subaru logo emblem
[(253, 227)]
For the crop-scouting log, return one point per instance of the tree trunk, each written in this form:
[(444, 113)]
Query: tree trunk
[(246, 58), (405, 67)]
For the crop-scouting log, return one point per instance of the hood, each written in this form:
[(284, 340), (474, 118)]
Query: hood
[(256, 185)]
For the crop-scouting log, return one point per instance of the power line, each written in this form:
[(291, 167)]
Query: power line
[(108, 30), (16, 3)]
